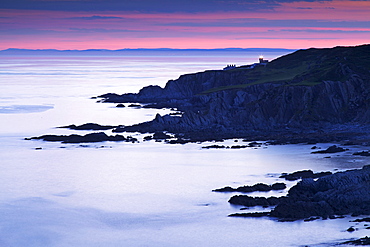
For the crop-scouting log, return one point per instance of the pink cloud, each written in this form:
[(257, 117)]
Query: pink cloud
[(292, 25)]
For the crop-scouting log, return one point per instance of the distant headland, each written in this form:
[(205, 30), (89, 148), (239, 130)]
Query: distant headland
[(121, 52)]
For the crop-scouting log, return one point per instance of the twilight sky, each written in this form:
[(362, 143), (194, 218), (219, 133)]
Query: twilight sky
[(118, 24)]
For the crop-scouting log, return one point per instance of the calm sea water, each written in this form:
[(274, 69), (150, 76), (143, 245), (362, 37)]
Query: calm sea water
[(142, 194)]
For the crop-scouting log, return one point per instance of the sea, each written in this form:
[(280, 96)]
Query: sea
[(149, 193)]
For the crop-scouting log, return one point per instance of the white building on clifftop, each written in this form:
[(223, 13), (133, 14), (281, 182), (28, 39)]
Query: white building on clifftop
[(262, 61)]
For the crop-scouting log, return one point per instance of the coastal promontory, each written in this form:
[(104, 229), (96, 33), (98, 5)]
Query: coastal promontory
[(318, 94)]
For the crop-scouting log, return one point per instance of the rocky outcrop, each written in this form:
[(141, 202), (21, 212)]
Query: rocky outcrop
[(331, 150), (303, 174), (361, 241), (89, 126), (253, 188), (322, 91), (250, 201), (362, 153), (93, 137), (341, 193), (330, 196)]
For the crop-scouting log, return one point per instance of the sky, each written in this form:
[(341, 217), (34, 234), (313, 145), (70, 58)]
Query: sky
[(199, 24)]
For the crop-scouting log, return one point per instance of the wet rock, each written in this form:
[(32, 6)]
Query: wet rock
[(311, 219), (362, 153), (89, 126), (330, 150), (249, 201), (135, 105), (254, 144), (239, 146), (250, 215), (362, 220), (161, 136), (256, 187), (341, 193), (303, 174), (361, 241), (351, 229), (214, 146), (93, 137)]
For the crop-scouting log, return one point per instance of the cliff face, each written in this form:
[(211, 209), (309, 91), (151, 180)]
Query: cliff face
[(305, 90)]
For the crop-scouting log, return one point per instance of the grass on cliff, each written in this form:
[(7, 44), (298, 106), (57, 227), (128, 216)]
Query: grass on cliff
[(307, 68), (262, 74)]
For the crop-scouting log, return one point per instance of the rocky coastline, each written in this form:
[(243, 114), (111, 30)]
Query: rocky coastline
[(328, 197), (309, 96)]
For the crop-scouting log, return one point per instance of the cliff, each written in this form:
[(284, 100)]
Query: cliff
[(305, 91)]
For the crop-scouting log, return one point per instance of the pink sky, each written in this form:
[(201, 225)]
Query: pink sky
[(294, 25)]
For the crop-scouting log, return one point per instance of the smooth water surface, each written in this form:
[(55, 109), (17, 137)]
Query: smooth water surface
[(141, 194)]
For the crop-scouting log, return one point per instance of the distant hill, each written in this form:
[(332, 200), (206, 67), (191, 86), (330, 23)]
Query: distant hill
[(123, 52), (325, 92)]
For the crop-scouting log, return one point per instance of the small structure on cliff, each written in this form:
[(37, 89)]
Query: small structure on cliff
[(262, 61), (230, 66)]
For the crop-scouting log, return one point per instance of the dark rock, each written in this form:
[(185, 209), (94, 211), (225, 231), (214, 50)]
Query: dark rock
[(303, 174), (361, 241), (214, 146), (178, 141), (161, 136), (256, 187), (337, 194), (93, 137), (311, 219), (297, 175), (147, 138), (351, 229), (332, 217), (330, 150), (249, 201), (89, 126), (254, 144), (120, 105), (329, 100), (362, 153), (134, 105), (249, 215), (362, 220), (239, 146)]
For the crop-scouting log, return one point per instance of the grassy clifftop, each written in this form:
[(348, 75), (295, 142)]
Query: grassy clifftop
[(307, 68)]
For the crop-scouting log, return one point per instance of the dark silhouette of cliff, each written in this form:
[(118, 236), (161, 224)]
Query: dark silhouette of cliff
[(306, 91)]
